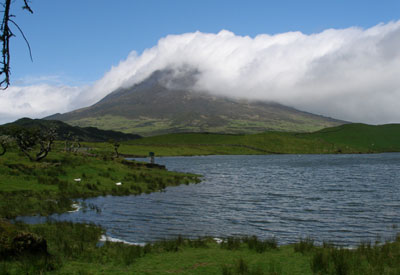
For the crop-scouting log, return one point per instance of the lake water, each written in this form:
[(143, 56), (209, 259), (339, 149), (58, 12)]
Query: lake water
[(340, 198)]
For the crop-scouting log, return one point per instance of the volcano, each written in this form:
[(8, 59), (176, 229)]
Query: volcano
[(166, 102)]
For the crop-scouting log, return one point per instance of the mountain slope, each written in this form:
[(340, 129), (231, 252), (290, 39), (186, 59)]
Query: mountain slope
[(164, 103)]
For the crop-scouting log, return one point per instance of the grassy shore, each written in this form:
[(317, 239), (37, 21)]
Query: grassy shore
[(49, 186), (74, 249)]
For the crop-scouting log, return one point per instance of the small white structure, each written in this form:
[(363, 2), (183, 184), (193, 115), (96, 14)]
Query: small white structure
[(76, 207), (77, 180), (118, 183), (218, 240)]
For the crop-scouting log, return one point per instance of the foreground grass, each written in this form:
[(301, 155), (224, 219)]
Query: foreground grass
[(49, 186), (74, 249)]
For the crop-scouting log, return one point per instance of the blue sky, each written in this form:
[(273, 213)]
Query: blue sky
[(335, 58), (77, 41)]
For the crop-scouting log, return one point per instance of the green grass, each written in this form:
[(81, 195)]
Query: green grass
[(74, 249), (362, 137), (220, 144), (49, 186), (349, 138)]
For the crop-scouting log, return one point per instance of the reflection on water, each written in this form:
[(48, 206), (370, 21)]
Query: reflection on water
[(340, 198)]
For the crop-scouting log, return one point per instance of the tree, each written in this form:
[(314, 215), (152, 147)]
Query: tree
[(116, 145), (5, 35), (28, 139), (5, 141), (71, 143), (67, 142)]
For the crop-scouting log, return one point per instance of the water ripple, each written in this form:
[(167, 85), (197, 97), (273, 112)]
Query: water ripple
[(340, 198)]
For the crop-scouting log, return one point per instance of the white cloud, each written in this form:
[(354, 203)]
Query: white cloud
[(36, 101), (351, 74)]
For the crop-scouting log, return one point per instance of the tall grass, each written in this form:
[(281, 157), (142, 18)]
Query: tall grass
[(242, 267), (252, 243), (304, 245), (260, 246), (70, 243)]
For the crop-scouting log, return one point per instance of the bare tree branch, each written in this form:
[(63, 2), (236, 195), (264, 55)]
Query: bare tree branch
[(28, 139), (23, 35), (27, 7), (5, 35)]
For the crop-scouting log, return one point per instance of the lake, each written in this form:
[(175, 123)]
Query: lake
[(340, 198)]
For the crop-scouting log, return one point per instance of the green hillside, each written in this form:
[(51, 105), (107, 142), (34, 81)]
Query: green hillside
[(381, 138), (348, 138)]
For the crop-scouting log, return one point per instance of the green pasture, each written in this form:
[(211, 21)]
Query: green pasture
[(348, 138)]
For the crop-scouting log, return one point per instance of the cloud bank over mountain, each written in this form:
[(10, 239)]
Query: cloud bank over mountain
[(351, 74)]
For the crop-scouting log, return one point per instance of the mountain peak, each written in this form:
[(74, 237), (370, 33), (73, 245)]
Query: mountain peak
[(166, 102)]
